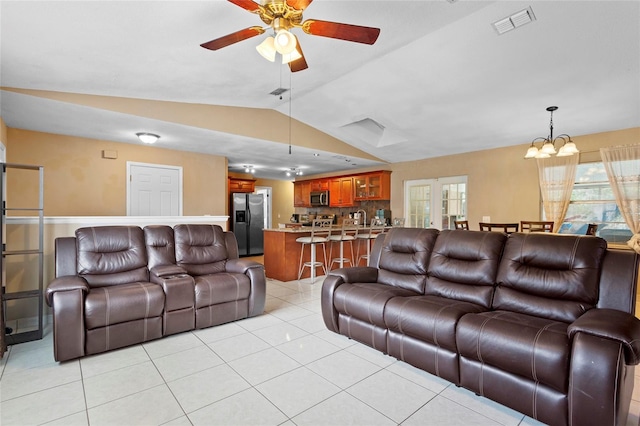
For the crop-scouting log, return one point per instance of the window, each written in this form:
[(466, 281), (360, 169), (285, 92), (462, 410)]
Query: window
[(592, 201), (435, 203)]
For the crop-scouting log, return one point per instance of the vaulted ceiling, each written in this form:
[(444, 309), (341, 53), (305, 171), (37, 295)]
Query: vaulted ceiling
[(439, 80)]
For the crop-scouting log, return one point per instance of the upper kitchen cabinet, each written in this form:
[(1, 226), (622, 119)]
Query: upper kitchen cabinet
[(320, 185), (302, 194), (241, 185), (341, 192), (373, 186)]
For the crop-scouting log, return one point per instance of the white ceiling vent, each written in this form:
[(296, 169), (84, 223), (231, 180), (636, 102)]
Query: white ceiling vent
[(514, 21)]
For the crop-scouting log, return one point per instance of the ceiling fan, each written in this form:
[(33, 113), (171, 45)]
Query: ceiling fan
[(281, 16)]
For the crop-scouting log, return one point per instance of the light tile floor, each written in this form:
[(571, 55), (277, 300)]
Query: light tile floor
[(281, 368)]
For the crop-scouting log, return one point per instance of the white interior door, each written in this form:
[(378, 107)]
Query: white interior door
[(154, 190)]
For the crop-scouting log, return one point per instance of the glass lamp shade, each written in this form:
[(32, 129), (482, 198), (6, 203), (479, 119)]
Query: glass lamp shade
[(147, 137), (570, 147), (267, 49), (290, 57), (563, 152), (285, 42), (548, 148), (541, 154), (531, 152)]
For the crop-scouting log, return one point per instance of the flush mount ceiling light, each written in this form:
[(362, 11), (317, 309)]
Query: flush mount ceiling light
[(249, 169), (147, 137), (548, 144)]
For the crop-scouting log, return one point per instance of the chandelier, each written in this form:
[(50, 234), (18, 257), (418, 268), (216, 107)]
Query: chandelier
[(548, 147)]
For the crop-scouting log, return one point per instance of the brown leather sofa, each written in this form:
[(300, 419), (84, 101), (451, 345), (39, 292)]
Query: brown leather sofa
[(542, 323), (116, 286)]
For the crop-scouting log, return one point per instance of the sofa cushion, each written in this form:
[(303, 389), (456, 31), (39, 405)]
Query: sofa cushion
[(431, 319), (551, 276), (532, 347), (200, 249), (111, 255), (404, 257), (220, 288), (110, 305), (366, 301), (464, 265), (161, 248)]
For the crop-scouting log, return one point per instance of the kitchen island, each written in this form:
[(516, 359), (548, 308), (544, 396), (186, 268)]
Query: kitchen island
[(282, 252)]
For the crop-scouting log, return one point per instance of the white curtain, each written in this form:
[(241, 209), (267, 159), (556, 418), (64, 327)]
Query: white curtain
[(622, 164), (557, 176)]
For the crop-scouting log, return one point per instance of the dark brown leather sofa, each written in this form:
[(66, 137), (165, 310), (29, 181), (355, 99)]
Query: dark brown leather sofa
[(120, 285), (541, 323)]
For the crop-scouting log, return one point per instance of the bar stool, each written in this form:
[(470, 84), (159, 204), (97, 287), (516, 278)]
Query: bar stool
[(320, 233), (376, 228), (348, 234)]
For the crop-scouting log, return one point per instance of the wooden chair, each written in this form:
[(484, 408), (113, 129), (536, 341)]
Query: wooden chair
[(507, 228), (592, 229), (536, 226), (461, 224)]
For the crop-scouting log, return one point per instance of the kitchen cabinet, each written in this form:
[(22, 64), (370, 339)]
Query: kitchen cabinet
[(341, 192), (320, 185), (373, 186), (241, 185), (302, 194)]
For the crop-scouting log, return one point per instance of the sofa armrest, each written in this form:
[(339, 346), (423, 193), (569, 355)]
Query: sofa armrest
[(159, 274), (611, 324), (333, 280), (66, 295), (65, 283), (358, 274), (255, 272)]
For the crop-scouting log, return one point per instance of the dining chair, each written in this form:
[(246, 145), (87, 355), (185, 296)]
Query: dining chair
[(507, 228), (592, 229), (461, 224), (536, 226)]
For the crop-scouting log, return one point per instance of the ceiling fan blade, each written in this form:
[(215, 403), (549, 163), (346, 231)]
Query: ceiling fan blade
[(298, 64), (232, 38), (366, 35), (249, 5), (299, 4)]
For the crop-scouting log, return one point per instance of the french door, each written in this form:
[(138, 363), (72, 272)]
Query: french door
[(435, 203)]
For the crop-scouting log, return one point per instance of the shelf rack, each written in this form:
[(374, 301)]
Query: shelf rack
[(16, 336)]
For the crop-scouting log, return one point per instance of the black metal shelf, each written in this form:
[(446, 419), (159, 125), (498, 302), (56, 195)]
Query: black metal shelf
[(16, 336)]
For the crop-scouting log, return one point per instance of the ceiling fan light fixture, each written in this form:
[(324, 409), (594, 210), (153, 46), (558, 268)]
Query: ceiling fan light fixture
[(290, 57), (267, 49), (147, 137), (284, 42)]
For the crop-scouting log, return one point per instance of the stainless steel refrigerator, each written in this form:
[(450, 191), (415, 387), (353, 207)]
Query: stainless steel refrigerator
[(247, 217)]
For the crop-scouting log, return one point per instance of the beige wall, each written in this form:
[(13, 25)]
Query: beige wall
[(79, 182), (3, 132)]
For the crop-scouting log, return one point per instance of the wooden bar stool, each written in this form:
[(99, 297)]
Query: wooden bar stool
[(348, 233), (320, 233), (376, 228)]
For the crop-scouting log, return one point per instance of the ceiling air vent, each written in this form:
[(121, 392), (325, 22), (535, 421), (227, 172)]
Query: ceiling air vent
[(514, 21)]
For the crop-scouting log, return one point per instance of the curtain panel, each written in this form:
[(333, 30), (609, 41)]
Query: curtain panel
[(622, 164), (557, 176)]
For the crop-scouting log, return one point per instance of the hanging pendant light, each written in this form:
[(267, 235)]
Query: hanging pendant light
[(548, 147)]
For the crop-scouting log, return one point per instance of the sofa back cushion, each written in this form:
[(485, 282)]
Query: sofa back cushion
[(404, 257), (161, 248), (111, 255), (200, 249), (550, 276), (464, 265)]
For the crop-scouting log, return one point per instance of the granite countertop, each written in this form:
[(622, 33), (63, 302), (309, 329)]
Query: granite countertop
[(297, 228)]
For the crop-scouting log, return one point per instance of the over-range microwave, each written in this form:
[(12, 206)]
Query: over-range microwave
[(319, 198)]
